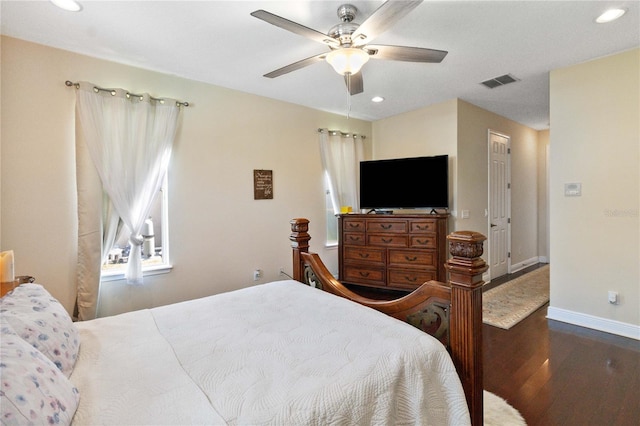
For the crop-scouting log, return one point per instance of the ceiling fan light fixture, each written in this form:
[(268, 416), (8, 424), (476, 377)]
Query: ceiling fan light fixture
[(348, 60), (610, 15), (69, 5)]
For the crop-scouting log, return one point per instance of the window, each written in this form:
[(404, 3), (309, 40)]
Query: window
[(331, 219), (155, 247)]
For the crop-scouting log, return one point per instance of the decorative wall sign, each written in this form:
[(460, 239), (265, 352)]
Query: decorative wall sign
[(263, 184)]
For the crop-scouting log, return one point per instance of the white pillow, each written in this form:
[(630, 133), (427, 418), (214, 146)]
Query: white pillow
[(33, 390), (39, 319)]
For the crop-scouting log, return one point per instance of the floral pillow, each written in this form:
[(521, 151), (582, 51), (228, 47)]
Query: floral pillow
[(32, 389), (39, 319)]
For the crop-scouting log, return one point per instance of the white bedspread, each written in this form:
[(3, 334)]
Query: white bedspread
[(279, 353)]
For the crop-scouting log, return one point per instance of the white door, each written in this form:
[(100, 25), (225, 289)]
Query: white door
[(499, 204)]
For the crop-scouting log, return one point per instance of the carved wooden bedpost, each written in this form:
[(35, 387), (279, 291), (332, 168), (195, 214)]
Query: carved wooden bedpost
[(299, 243), (465, 276)]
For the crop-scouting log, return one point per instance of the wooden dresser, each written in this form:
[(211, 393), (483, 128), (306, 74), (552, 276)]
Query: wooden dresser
[(393, 251)]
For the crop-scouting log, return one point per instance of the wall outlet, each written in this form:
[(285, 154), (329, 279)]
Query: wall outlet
[(257, 274), (613, 297)]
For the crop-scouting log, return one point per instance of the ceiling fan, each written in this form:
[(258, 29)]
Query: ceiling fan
[(349, 41)]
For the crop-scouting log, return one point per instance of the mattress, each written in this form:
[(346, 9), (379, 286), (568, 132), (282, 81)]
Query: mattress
[(280, 353)]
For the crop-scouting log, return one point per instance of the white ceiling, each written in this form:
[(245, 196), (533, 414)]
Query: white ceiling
[(220, 43)]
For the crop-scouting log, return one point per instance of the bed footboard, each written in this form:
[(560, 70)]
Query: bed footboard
[(452, 311)]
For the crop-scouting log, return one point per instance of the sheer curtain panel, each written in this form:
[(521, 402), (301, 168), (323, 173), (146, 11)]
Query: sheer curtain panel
[(341, 155), (129, 139)]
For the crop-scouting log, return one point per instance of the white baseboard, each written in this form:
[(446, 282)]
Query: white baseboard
[(595, 323), (516, 267), (543, 259)]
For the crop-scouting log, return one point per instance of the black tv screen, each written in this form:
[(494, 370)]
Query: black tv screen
[(405, 183)]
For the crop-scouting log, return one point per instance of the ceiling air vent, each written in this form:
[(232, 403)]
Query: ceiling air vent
[(499, 81)]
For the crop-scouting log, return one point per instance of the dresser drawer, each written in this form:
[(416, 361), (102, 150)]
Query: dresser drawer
[(423, 241), (364, 254), (354, 239), (418, 226), (415, 258), (390, 226), (357, 274), (408, 278), (387, 240), (353, 225)]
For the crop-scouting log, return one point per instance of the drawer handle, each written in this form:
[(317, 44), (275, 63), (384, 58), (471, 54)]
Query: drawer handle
[(423, 242), (364, 274), (411, 279), (384, 240), (363, 255), (383, 226), (422, 228), (352, 238), (354, 225), (411, 259)]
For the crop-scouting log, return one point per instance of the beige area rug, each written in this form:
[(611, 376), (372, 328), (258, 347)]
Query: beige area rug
[(513, 301), (497, 412)]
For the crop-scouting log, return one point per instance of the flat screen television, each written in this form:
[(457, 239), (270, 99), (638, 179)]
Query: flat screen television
[(405, 183)]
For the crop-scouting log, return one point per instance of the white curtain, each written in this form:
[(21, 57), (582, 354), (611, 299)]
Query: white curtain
[(98, 225), (129, 139), (341, 155)]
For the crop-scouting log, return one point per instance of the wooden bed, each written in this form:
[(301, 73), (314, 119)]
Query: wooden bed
[(451, 312), (275, 353)]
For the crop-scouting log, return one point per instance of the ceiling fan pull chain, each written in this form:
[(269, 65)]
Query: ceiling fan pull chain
[(348, 95)]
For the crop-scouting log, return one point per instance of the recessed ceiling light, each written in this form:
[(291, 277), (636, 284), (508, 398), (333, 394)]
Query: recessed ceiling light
[(70, 5), (377, 99), (610, 15)]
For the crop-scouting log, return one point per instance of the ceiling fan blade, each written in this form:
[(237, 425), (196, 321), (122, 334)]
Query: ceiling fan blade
[(405, 53), (296, 65), (354, 83), (294, 27), (381, 20)]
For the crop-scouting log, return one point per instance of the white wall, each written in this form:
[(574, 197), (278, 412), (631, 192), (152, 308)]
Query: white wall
[(595, 238), (219, 234)]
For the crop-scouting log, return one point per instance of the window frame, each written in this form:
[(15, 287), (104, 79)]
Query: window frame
[(330, 216), (118, 274)]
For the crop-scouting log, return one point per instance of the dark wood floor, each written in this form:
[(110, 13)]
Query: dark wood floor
[(556, 373), (560, 374)]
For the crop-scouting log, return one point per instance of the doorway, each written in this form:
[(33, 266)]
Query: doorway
[(499, 237)]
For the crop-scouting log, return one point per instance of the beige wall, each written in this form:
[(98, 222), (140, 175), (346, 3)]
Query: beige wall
[(474, 124), (1, 146), (543, 195), (219, 234), (595, 238), (423, 132), (460, 129)]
